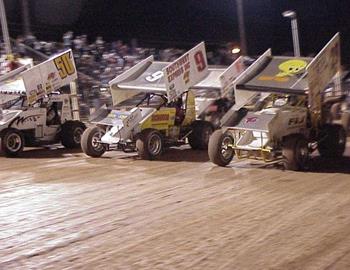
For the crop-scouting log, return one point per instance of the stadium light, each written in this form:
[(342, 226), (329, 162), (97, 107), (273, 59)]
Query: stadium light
[(291, 14), (236, 50), (242, 37)]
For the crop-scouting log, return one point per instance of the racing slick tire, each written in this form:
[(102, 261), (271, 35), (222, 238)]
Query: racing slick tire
[(12, 142), (332, 141), (295, 153), (335, 111), (199, 137), (150, 144), (71, 134), (90, 144), (345, 121), (219, 151)]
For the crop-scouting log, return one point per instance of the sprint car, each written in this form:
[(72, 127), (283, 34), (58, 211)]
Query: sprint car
[(149, 119), (33, 112), (290, 110)]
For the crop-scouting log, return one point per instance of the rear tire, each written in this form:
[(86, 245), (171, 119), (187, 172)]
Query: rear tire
[(335, 111), (12, 142), (199, 137), (332, 142), (219, 151), (150, 144), (295, 153), (345, 121), (90, 144), (71, 134)]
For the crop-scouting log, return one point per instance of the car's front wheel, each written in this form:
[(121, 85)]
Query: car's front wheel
[(12, 142), (220, 149), (90, 142)]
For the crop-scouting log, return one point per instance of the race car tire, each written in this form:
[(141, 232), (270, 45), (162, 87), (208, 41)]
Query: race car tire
[(199, 137), (71, 134), (150, 144), (295, 153), (214, 118), (345, 121), (332, 141), (335, 111), (12, 142), (219, 151), (90, 144)]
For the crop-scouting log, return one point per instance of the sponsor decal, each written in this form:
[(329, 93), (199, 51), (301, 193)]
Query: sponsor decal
[(160, 117), (178, 68), (117, 115), (273, 78), (186, 77), (64, 65), (296, 121), (52, 82), (20, 120), (251, 119)]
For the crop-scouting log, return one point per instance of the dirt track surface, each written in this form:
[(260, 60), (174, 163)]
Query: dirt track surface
[(63, 210)]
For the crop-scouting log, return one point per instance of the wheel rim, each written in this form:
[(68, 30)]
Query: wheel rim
[(303, 153), (342, 138), (95, 141), (226, 150), (154, 144), (14, 142), (77, 135)]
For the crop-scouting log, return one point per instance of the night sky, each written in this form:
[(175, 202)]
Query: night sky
[(183, 23)]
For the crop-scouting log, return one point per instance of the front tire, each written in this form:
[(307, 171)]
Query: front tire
[(295, 153), (199, 137), (90, 142), (150, 144), (332, 142), (12, 142), (71, 134), (220, 148)]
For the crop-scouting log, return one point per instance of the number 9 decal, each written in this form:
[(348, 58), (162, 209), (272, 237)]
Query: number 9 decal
[(155, 76)]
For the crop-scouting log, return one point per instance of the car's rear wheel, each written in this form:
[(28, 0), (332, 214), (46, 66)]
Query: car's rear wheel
[(12, 142), (199, 137), (90, 142), (150, 144), (345, 121), (71, 134), (220, 148), (332, 141)]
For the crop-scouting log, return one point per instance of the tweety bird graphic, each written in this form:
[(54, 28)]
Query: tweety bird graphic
[(291, 67)]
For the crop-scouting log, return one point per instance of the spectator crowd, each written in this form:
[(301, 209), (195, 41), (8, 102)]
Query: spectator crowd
[(102, 61)]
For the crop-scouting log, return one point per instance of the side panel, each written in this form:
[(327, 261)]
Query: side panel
[(241, 96), (320, 72), (32, 119), (49, 76), (162, 119), (186, 71), (229, 75), (288, 121), (190, 115)]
